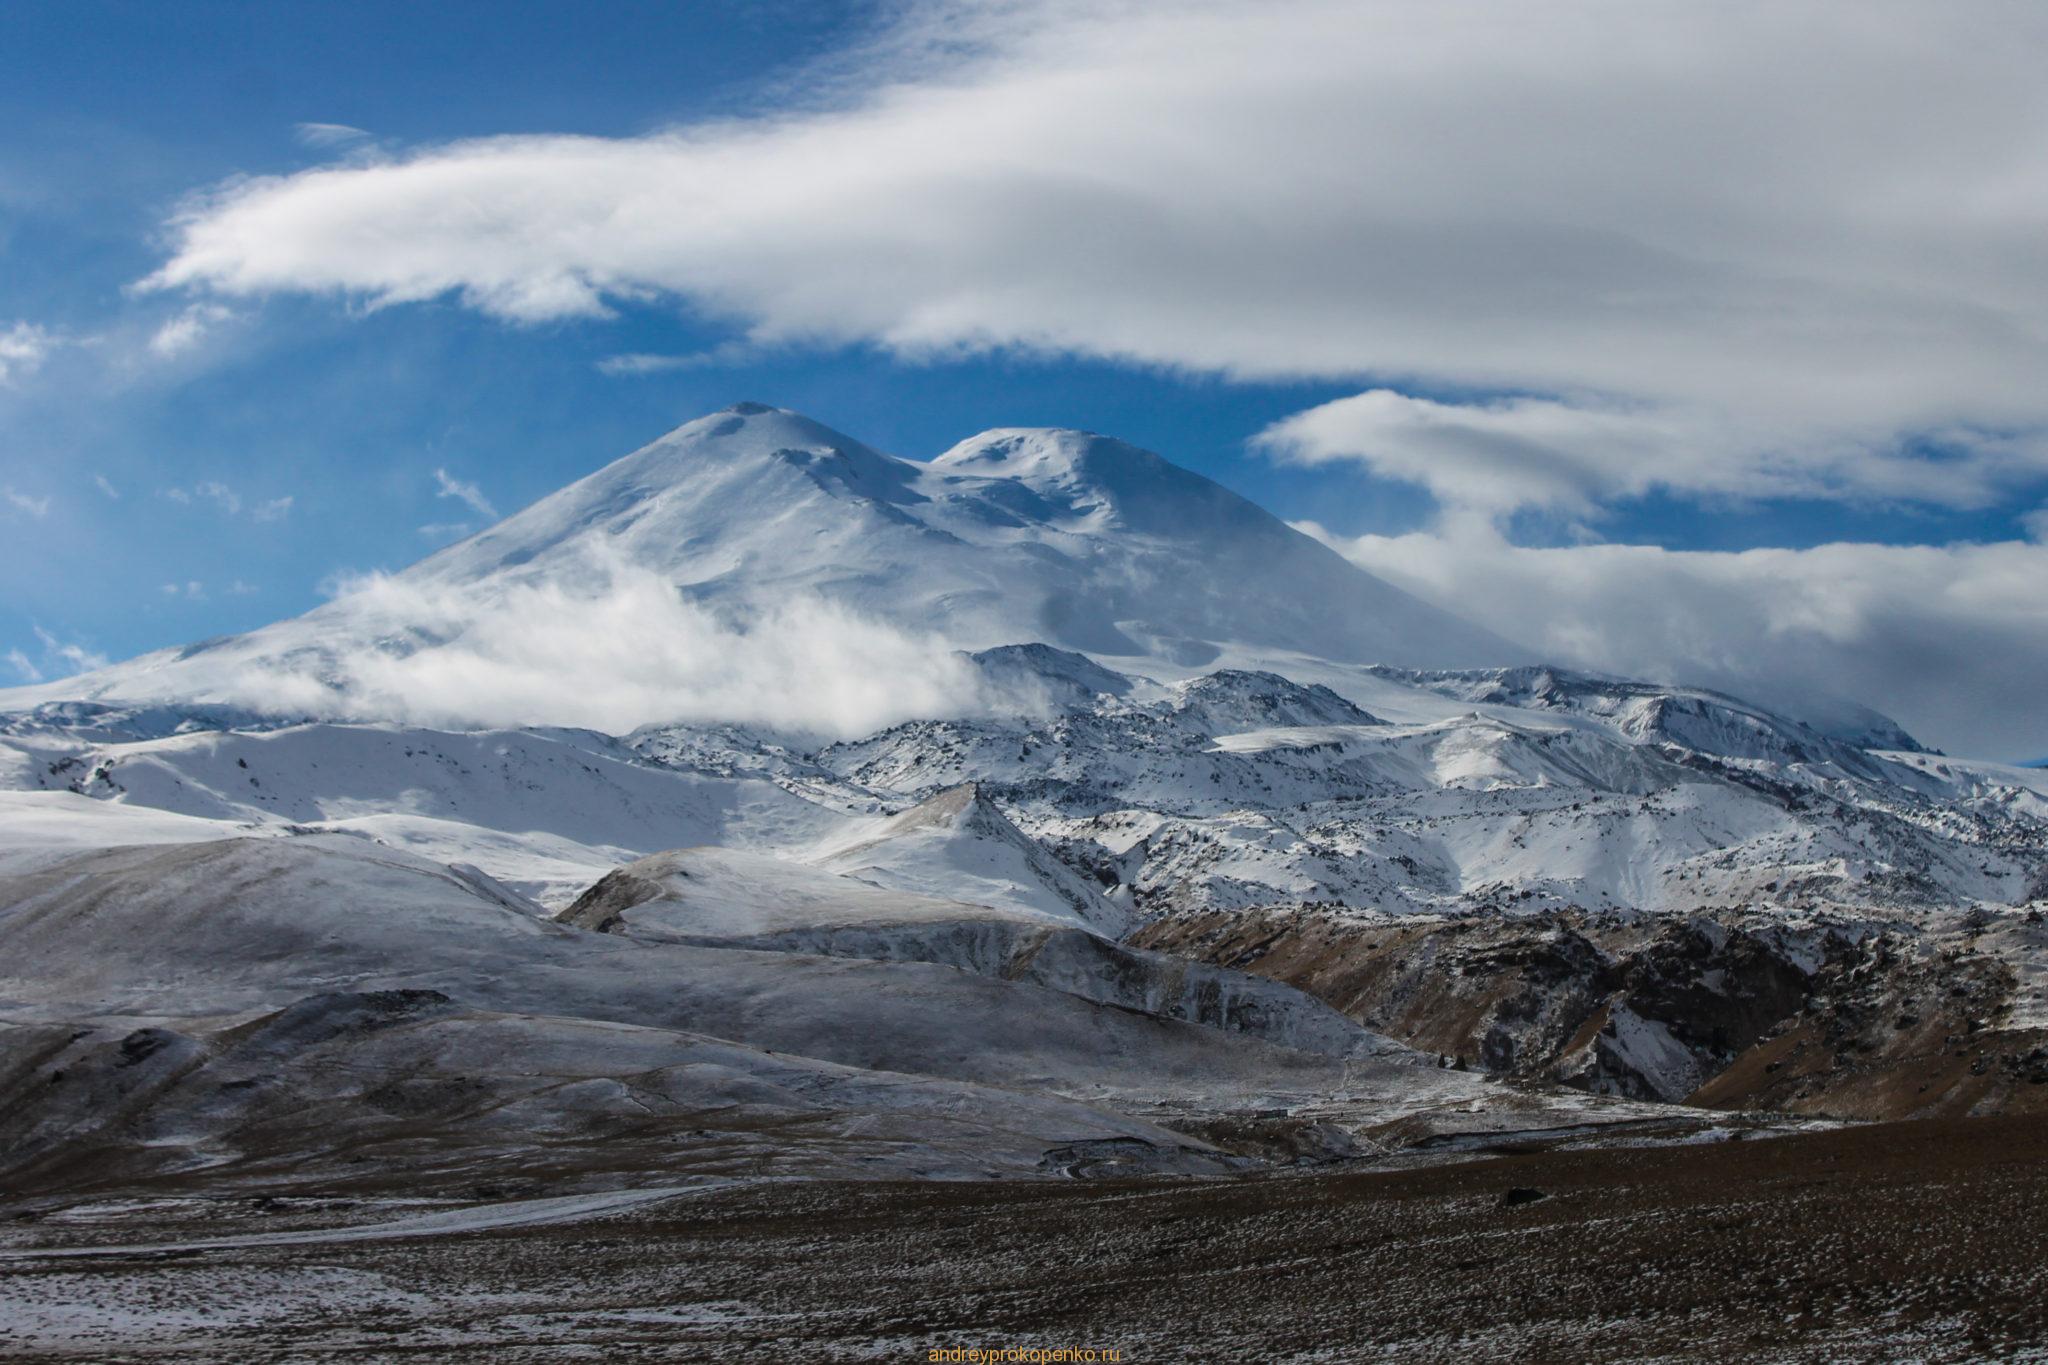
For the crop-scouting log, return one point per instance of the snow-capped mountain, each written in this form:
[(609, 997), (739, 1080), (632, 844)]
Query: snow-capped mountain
[(1011, 537), (1187, 699), (1065, 537), (1006, 714)]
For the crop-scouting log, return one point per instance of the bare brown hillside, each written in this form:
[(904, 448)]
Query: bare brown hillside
[(1736, 1010)]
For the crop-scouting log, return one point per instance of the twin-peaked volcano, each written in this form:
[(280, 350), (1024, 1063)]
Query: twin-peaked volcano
[(1016, 535), (1019, 534)]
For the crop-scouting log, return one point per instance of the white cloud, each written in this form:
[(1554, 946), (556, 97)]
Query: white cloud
[(24, 666), (106, 486), (1819, 221), (1950, 640), (66, 656), (445, 530), (22, 502), (1505, 454), (327, 135), (23, 347), (181, 333), (625, 650), (452, 487), (193, 591), (638, 363), (227, 498), (230, 502), (240, 589)]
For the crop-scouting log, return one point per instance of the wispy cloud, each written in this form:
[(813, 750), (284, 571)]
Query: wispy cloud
[(1951, 640), (22, 502), (184, 332), (192, 590), (1504, 454), (106, 486), (639, 363), (633, 364), (445, 530), (328, 135), (67, 656), (231, 502), (23, 348), (24, 666), (462, 491)]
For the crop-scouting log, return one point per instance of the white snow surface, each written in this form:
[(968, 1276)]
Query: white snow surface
[(959, 846), (545, 811), (720, 897), (213, 1007)]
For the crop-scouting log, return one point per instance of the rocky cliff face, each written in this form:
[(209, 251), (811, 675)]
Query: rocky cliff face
[(1826, 1016)]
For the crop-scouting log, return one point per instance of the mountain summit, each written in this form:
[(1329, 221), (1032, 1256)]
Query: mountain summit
[(1015, 535)]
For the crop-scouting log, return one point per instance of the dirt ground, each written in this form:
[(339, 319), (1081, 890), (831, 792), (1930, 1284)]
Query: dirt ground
[(1921, 1241)]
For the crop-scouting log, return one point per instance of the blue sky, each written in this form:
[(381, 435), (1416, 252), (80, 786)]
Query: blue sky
[(1186, 231)]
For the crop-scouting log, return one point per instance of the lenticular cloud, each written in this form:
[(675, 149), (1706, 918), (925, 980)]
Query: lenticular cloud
[(1720, 213)]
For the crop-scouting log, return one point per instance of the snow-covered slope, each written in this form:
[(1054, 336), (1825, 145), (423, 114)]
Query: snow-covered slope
[(250, 925), (1240, 789), (297, 1005), (548, 811), (958, 845), (1696, 718), (718, 897), (1128, 798)]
